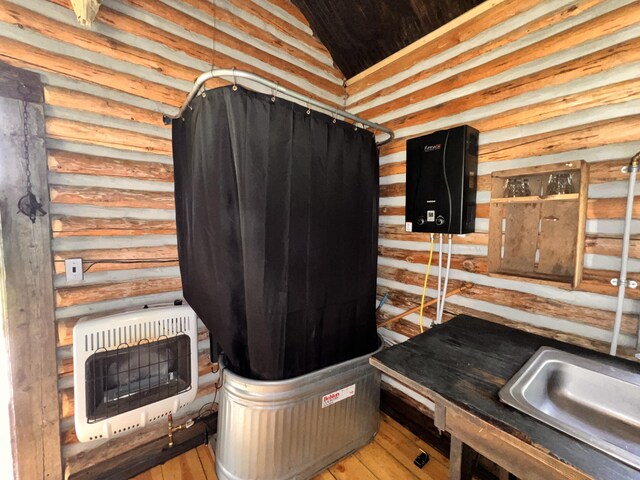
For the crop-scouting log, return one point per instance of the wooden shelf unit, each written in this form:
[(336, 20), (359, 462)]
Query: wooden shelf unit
[(539, 236)]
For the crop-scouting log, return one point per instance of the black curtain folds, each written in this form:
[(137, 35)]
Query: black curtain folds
[(277, 231)]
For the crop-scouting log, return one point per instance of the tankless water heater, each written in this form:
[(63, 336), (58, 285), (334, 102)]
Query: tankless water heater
[(441, 181)]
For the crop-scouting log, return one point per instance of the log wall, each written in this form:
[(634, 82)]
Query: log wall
[(545, 81), (109, 154)]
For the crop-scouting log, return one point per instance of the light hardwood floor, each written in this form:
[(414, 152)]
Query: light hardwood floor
[(388, 457)]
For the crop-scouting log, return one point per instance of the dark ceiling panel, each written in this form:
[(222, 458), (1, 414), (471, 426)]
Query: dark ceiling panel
[(360, 33)]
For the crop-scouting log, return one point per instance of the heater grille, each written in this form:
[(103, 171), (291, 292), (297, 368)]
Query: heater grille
[(133, 368), (129, 377)]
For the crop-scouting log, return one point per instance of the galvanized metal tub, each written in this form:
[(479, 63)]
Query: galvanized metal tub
[(295, 428)]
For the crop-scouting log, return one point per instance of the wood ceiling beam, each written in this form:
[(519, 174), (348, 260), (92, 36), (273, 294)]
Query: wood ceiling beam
[(427, 40)]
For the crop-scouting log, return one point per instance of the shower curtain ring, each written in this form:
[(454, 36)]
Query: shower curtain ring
[(308, 108), (274, 92), (335, 114), (235, 84)]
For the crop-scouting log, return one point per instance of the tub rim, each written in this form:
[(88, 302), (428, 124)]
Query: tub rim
[(300, 379)]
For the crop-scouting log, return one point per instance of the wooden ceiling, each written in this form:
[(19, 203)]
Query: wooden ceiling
[(360, 33)]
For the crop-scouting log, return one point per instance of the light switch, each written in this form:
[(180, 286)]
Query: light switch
[(73, 270)]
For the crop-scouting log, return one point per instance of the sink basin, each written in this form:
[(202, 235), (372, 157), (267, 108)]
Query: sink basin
[(596, 403)]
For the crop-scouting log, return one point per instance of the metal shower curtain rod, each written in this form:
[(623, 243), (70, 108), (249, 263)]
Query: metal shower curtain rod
[(233, 73)]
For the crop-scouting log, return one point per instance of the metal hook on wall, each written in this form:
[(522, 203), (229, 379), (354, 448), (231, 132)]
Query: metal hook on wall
[(24, 90)]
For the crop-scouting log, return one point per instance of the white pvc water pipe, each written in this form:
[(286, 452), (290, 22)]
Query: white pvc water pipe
[(622, 280), (446, 279), (439, 278), (637, 355)]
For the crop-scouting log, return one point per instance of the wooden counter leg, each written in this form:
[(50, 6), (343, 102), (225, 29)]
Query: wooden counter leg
[(503, 474), (461, 460)]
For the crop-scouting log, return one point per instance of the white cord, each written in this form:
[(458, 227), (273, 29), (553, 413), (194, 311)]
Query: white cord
[(446, 280)]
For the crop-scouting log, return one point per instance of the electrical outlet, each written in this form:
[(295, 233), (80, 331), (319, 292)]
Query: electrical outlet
[(73, 270)]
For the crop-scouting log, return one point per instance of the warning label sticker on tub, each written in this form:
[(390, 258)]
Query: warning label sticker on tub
[(334, 397)]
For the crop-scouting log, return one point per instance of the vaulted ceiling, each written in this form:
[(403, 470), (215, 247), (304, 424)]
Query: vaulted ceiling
[(360, 33)]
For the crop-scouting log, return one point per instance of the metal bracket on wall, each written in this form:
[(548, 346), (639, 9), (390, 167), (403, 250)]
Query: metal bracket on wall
[(625, 283)]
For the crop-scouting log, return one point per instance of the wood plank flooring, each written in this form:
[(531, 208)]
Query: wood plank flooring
[(388, 457)]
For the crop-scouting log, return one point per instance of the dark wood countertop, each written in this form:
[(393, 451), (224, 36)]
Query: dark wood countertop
[(466, 361)]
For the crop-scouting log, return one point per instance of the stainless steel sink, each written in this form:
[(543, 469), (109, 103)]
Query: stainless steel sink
[(593, 402)]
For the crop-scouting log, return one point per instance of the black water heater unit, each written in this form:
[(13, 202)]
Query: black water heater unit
[(441, 181)]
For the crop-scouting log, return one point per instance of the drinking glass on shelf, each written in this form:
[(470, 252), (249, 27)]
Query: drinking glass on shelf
[(511, 187), (552, 185), (565, 183), (560, 184), (517, 187)]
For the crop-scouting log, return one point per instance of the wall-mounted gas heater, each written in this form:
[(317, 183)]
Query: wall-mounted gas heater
[(441, 181), (133, 368)]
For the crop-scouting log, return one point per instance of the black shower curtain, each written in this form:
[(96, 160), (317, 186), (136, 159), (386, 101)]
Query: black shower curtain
[(277, 231)]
